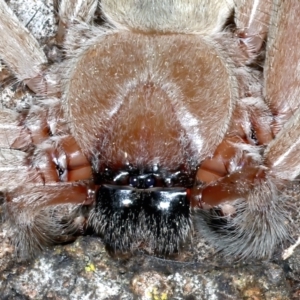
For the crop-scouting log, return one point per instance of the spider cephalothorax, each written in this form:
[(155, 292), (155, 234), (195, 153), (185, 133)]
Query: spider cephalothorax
[(166, 108)]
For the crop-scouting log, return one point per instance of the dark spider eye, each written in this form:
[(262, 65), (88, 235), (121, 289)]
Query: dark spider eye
[(149, 181), (133, 181), (182, 179), (104, 175), (178, 179)]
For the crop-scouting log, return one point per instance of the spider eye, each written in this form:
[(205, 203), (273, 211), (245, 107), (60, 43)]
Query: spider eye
[(149, 181), (133, 181)]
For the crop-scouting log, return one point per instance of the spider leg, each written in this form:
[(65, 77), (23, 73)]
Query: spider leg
[(74, 11), (78, 10), (20, 51), (41, 215), (12, 170), (257, 211), (39, 164), (252, 20), (252, 200), (282, 65), (42, 170), (39, 208), (9, 128), (282, 154), (39, 188)]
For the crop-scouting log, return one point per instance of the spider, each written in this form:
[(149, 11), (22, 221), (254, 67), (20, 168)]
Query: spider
[(172, 117)]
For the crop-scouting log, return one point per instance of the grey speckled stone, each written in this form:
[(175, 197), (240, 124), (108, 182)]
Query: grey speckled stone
[(84, 270)]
